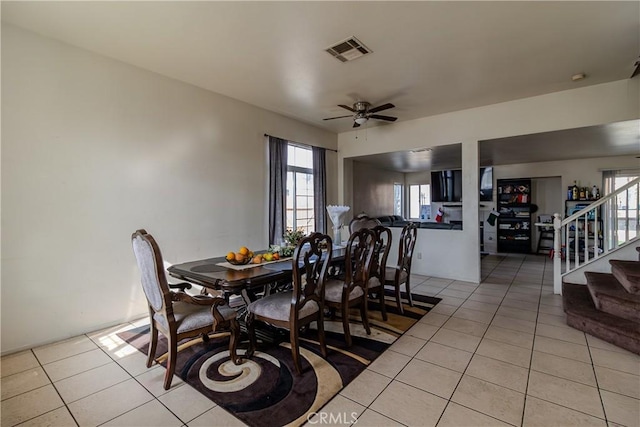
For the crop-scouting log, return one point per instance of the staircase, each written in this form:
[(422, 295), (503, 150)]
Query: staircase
[(608, 307), (588, 239)]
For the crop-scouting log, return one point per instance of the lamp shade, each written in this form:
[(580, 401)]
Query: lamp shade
[(361, 120)]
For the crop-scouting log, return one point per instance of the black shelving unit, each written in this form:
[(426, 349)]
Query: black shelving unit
[(514, 222), (584, 223)]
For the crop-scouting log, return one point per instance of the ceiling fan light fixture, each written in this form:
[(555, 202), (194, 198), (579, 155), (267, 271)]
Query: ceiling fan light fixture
[(361, 120)]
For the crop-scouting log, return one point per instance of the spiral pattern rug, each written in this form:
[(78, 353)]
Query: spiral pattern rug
[(264, 390)]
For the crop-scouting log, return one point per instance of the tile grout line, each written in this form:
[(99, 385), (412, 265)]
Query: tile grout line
[(593, 367), (449, 400), (533, 345)]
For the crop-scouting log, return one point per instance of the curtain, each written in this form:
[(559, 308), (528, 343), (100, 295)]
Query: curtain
[(277, 188), (319, 189)]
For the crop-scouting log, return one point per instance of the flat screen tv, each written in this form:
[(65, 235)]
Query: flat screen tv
[(446, 186)]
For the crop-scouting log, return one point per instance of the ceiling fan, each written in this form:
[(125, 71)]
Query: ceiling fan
[(363, 112)]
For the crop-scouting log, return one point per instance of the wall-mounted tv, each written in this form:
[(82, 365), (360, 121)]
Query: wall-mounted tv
[(446, 186)]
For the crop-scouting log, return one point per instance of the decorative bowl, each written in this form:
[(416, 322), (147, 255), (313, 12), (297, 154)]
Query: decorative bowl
[(247, 260)]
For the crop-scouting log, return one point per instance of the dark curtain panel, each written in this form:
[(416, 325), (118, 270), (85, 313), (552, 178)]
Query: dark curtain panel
[(277, 188), (319, 189)]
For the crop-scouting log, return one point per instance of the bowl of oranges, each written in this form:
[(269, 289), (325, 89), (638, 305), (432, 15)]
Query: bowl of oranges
[(242, 257)]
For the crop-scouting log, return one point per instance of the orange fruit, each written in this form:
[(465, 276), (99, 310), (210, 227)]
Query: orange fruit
[(240, 257), (276, 256), (231, 256), (244, 250)]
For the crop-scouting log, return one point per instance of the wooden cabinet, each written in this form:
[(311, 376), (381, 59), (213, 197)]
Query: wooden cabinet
[(514, 222)]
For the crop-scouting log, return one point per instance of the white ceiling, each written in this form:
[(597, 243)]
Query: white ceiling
[(429, 57), (614, 139)]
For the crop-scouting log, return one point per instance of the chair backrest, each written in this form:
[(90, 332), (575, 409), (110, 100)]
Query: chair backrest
[(311, 260), (363, 221), (154, 280), (407, 243), (358, 256), (380, 252)]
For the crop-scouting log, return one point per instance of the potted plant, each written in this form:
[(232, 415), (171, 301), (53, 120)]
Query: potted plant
[(291, 238)]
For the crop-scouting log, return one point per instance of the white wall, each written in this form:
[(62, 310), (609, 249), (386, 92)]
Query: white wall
[(587, 106), (93, 149), (373, 190)]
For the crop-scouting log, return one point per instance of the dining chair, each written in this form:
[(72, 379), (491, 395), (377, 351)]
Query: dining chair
[(363, 221), (352, 291), (178, 315), (401, 273), (301, 305), (377, 272)]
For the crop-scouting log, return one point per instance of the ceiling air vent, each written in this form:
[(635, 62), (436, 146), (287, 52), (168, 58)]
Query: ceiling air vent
[(349, 49)]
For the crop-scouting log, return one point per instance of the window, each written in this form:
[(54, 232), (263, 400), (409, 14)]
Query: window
[(397, 199), (621, 213), (419, 195), (626, 209), (299, 198)]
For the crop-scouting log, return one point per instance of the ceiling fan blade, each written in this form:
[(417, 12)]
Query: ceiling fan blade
[(637, 70), (339, 117), (356, 125), (381, 107), (379, 117), (346, 107)]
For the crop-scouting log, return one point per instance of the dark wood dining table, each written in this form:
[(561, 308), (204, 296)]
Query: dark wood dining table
[(209, 274)]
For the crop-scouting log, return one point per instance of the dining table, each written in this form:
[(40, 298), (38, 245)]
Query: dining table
[(216, 274)]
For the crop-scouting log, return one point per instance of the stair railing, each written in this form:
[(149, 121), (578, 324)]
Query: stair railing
[(594, 231)]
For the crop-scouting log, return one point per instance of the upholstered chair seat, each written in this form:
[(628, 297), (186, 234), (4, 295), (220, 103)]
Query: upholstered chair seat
[(390, 274), (333, 291), (190, 317), (278, 307)]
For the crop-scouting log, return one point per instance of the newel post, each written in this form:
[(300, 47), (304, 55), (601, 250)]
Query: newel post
[(557, 254)]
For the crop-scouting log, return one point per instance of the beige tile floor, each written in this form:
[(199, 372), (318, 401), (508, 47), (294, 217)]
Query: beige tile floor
[(493, 354)]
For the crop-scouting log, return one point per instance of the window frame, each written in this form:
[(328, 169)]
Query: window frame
[(427, 199), (294, 170)]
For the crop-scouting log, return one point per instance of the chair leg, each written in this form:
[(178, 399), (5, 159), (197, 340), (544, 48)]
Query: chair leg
[(345, 324), (171, 361), (295, 350), (398, 299), (365, 316), (152, 345), (408, 288), (323, 345), (251, 331), (233, 341), (383, 306)]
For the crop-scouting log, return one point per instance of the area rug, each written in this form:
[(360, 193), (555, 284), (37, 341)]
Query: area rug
[(265, 391)]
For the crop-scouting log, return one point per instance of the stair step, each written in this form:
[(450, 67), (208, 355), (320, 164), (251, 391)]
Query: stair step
[(583, 315), (610, 296), (627, 273)]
